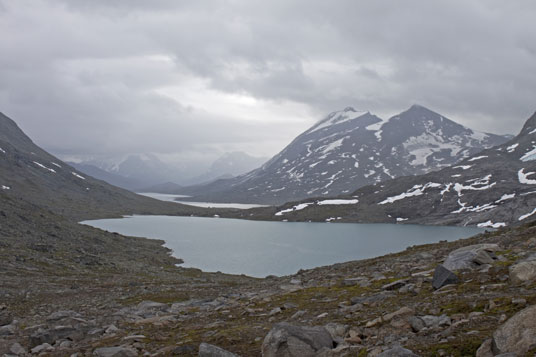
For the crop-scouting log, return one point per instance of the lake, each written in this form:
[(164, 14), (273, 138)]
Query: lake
[(259, 248), (176, 199)]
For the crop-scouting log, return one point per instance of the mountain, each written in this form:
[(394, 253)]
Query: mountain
[(31, 175), (351, 149), (128, 183), (494, 188), (166, 187)]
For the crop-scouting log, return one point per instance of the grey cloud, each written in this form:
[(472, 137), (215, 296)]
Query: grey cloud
[(84, 76)]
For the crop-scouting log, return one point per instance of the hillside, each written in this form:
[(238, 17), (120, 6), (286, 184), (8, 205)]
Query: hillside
[(30, 174), (350, 149)]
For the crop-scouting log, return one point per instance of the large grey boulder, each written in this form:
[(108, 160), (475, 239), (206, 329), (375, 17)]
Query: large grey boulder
[(115, 352), (208, 350), (442, 277), (397, 352), (523, 272), (518, 334), (285, 340), (470, 257)]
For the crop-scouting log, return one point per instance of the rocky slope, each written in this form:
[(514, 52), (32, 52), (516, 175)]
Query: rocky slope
[(350, 149), (493, 188), (387, 306)]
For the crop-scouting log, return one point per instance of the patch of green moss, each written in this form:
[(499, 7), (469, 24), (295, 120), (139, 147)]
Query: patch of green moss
[(458, 348)]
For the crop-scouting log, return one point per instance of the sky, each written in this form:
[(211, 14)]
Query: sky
[(189, 80)]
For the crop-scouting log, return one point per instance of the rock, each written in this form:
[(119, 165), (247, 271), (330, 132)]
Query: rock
[(397, 352), (60, 315), (485, 349), (336, 330), (519, 301), (363, 282), (45, 347), (115, 352), (523, 272), (442, 277), (288, 340), (464, 258), (275, 311), (5, 317), (17, 349), (7, 330), (517, 334), (207, 350), (111, 329), (297, 314), (416, 323), (395, 285)]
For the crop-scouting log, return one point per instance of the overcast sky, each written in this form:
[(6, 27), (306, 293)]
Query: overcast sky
[(192, 79)]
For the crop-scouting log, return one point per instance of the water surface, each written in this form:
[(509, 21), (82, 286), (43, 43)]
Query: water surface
[(176, 198), (262, 248)]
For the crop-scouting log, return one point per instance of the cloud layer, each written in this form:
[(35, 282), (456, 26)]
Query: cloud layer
[(176, 77)]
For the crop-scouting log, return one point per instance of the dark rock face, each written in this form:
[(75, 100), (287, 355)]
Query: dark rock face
[(288, 340), (350, 149), (443, 276)]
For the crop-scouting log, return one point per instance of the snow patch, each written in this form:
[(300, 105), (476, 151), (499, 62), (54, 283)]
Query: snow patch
[(463, 167), (512, 148), (338, 202), (333, 145), (416, 190), (529, 156), (491, 224), (298, 207), (525, 216), (338, 118), (401, 219), (506, 197), (523, 177), (6, 187), (478, 184), (2, 150), (44, 167), (77, 175), (477, 158)]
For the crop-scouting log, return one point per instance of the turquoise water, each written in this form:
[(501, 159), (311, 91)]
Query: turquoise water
[(262, 248)]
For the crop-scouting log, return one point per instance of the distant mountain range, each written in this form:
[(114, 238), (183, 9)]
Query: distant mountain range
[(139, 172), (493, 188), (351, 149)]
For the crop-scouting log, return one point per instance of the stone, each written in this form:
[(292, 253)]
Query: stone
[(442, 277), (397, 352), (111, 329), (464, 258), (45, 347), (485, 349), (208, 350), (336, 330), (416, 323), (289, 340), (523, 272), (60, 315), (115, 352), (17, 349), (7, 330), (517, 334), (5, 318), (395, 285)]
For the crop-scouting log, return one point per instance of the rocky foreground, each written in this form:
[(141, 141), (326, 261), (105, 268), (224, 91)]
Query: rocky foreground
[(471, 297)]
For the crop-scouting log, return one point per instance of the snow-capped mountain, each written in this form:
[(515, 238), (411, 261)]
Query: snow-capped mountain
[(350, 149), (493, 188)]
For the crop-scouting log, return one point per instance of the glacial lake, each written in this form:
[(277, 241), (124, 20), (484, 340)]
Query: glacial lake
[(259, 248)]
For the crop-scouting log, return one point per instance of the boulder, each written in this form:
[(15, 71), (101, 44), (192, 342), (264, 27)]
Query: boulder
[(517, 334), (5, 318), (397, 352), (115, 352), (470, 257), (442, 277), (208, 350), (523, 272), (288, 341)]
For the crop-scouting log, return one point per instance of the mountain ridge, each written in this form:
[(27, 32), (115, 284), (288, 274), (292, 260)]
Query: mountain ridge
[(350, 149)]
